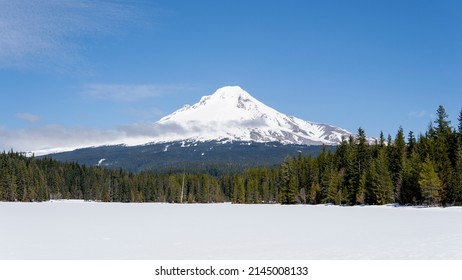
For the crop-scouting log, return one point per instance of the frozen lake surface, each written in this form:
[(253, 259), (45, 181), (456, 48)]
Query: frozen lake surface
[(75, 230)]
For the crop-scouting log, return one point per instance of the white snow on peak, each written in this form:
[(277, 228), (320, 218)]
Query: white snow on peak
[(232, 113), (229, 114), (226, 103)]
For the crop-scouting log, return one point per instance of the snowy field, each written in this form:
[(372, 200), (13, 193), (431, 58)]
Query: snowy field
[(76, 230)]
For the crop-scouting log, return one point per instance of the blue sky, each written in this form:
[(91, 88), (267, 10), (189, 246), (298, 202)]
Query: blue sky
[(74, 70)]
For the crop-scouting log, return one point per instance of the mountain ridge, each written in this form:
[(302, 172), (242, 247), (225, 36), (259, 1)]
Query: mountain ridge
[(232, 113), (229, 128), (225, 156)]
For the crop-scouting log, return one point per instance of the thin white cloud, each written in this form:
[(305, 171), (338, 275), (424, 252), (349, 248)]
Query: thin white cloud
[(151, 130), (55, 138), (27, 117), (43, 139), (52, 138), (130, 93), (123, 93), (48, 32), (417, 114)]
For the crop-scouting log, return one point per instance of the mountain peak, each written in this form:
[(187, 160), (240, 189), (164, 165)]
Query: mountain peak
[(228, 96), (230, 92), (232, 113)]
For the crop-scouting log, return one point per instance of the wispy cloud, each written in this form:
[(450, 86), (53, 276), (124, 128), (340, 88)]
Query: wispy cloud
[(150, 129), (417, 114), (48, 32), (55, 138), (123, 93), (27, 117), (130, 93)]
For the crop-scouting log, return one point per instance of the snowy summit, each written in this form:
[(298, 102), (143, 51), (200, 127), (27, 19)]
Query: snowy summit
[(230, 114), (233, 114)]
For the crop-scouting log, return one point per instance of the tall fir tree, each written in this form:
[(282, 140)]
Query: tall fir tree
[(334, 191), (411, 143), (430, 184), (411, 190), (382, 188), (289, 183), (442, 122), (459, 127), (397, 159)]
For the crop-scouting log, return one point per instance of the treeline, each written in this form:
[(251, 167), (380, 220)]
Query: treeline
[(405, 169), (424, 170), (31, 179)]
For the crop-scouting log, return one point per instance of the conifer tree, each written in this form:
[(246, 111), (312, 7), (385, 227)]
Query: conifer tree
[(335, 193), (397, 158), (351, 169), (442, 151), (363, 186), (457, 188), (459, 128), (289, 181), (238, 189), (381, 139), (430, 184), (411, 190), (442, 122), (411, 142), (361, 165), (381, 180)]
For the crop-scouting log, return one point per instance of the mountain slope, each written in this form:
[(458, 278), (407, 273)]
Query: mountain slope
[(233, 114), (188, 156), (227, 130)]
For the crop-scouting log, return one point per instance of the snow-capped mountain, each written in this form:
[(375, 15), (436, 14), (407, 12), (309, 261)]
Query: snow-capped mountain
[(233, 114), (228, 128)]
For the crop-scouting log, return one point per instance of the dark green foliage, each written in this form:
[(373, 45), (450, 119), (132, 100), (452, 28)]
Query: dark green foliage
[(212, 157), (31, 179), (459, 128), (289, 182), (397, 158), (381, 190), (425, 170), (430, 184)]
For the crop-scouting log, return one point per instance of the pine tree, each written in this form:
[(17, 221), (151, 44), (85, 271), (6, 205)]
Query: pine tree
[(381, 180), (362, 155), (397, 158), (411, 142), (442, 122), (430, 184), (411, 190), (238, 189), (289, 183), (443, 153), (252, 192), (381, 139), (352, 176), (6, 185), (457, 189), (363, 186), (459, 128), (335, 193), (362, 164)]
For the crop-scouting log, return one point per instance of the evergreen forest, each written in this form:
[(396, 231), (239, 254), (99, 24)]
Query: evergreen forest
[(410, 169)]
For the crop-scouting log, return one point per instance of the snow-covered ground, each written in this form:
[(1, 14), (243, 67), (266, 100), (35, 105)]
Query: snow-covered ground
[(90, 230)]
